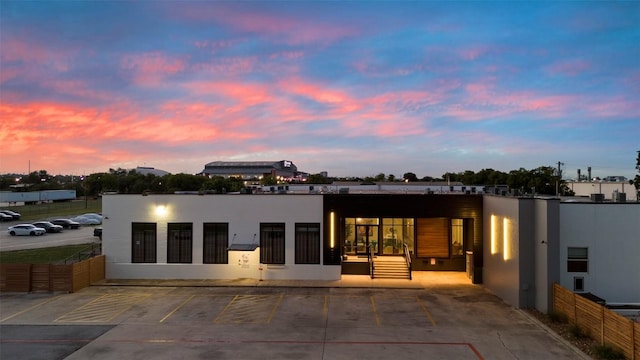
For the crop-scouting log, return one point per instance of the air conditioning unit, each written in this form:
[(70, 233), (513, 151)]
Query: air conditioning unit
[(597, 197), (619, 197)]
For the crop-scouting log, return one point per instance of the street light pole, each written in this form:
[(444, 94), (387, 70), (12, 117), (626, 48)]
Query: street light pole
[(84, 189)]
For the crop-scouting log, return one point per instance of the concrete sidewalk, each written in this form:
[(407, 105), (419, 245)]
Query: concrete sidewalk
[(420, 280)]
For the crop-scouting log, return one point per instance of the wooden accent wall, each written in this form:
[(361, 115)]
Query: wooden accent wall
[(432, 238)]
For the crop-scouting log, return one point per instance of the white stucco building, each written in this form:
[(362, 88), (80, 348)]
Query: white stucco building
[(584, 246), (517, 247)]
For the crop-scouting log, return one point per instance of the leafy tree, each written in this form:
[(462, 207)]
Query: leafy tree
[(221, 185), (269, 180), (368, 180), (409, 176), (183, 182), (518, 179), (6, 181), (379, 177), (391, 178), (318, 179)]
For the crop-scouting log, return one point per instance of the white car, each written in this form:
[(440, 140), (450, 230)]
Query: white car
[(25, 229), (83, 220)]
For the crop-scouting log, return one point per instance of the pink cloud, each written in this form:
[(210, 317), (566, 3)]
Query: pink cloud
[(569, 67), (472, 53), (294, 30), (227, 66), (150, 68), (29, 51)]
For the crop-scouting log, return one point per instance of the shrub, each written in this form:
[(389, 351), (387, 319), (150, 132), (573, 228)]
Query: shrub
[(558, 317), (607, 352), (577, 332)]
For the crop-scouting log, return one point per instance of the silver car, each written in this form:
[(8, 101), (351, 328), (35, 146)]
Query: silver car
[(25, 229)]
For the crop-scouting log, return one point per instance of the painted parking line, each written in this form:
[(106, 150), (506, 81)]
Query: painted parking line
[(302, 310), (375, 311), (424, 308), (29, 309), (177, 308), (249, 309), (103, 309)]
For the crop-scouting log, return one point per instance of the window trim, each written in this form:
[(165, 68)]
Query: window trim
[(148, 256), (183, 245), (272, 249), (307, 247), (577, 263), (211, 246)]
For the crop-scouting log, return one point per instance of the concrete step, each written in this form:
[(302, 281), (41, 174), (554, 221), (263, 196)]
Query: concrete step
[(390, 268)]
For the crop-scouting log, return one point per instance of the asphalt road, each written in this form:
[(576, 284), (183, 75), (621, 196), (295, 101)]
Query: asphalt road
[(83, 235)]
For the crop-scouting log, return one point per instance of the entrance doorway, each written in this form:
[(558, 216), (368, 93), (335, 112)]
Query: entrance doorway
[(366, 238)]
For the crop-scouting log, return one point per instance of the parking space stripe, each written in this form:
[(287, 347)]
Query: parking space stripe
[(249, 309), (29, 309), (177, 308), (103, 309), (275, 307), (424, 308), (325, 308), (375, 311)]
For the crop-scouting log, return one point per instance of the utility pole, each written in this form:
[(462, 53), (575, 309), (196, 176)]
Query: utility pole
[(559, 173)]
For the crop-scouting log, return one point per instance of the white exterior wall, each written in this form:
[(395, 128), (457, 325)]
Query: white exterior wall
[(520, 249), (586, 188), (545, 244), (501, 272), (243, 213), (612, 233)]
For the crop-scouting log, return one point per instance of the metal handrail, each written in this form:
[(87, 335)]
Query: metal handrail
[(90, 251), (407, 257), (371, 263)]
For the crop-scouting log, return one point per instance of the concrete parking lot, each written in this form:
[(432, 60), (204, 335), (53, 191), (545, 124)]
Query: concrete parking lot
[(83, 235), (435, 316)]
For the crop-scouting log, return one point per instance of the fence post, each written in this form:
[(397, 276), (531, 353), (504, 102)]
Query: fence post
[(575, 309), (602, 325), (633, 341)]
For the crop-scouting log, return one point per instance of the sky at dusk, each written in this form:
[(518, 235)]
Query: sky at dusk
[(353, 88)]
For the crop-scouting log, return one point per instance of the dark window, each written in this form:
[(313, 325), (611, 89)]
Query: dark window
[(308, 243), (179, 243), (143, 242), (272, 243), (578, 284), (216, 242), (577, 259)]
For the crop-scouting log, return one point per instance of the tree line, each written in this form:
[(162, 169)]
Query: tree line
[(541, 180)]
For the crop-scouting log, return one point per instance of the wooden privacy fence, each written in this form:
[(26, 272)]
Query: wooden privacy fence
[(599, 322), (50, 277)]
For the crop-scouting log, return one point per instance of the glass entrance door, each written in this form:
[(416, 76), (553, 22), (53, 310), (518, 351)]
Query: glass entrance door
[(366, 237)]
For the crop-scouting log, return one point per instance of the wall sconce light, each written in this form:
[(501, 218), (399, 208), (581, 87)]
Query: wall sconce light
[(161, 210), (332, 228)]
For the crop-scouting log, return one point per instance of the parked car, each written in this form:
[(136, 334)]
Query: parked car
[(47, 225), (25, 229), (83, 220), (98, 232), (66, 223), (93, 216), (13, 214), (5, 217)]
